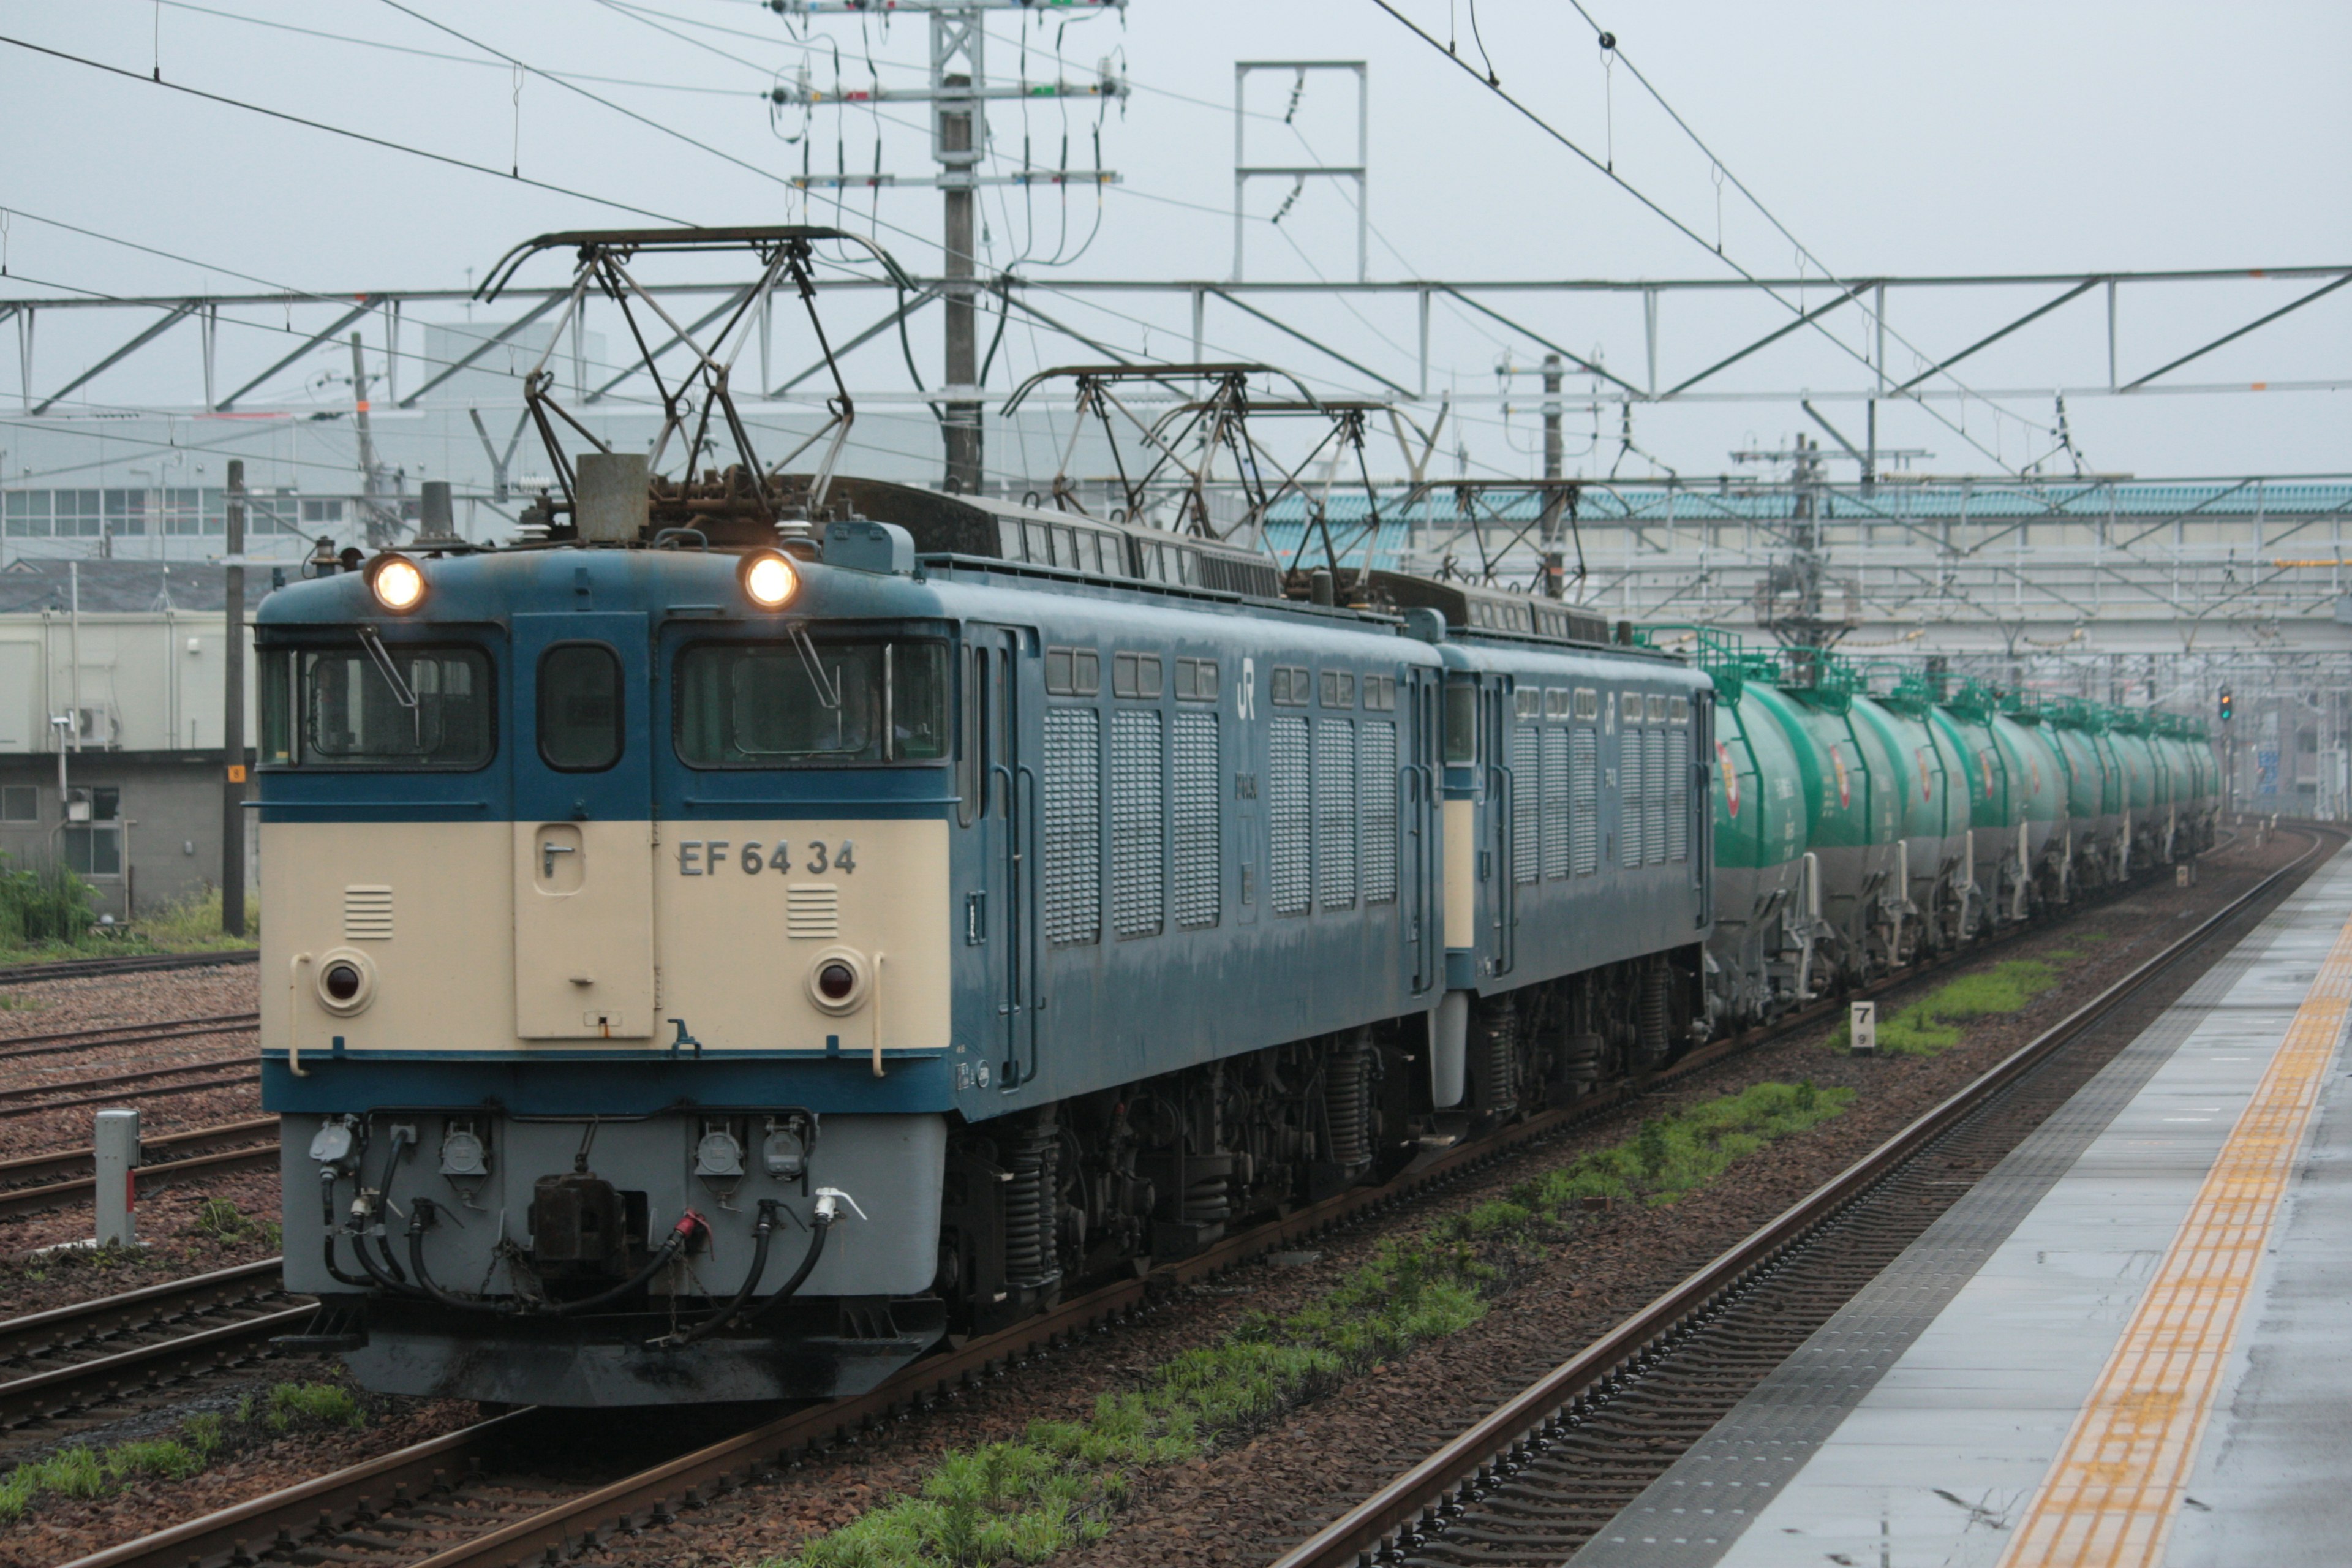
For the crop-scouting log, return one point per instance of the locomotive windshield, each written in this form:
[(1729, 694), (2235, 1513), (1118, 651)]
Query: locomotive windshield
[(781, 704), (375, 705)]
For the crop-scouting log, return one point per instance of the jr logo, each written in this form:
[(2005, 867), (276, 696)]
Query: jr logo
[(1245, 693)]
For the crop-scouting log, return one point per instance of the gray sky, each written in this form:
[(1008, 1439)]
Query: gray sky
[(1888, 139)]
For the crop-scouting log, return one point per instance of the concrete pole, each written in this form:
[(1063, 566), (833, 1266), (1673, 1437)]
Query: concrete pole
[(115, 1140), (1555, 453), (232, 878), (963, 450)]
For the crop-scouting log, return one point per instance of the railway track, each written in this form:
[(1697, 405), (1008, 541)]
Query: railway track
[(38, 1182), (481, 1497), (96, 1355), (1537, 1476), (15, 1103), (99, 1037), (87, 968)]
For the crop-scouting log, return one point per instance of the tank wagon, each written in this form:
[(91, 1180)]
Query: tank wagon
[(716, 971), (1868, 813)]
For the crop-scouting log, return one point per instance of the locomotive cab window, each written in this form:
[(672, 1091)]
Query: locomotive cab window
[(375, 705), (580, 707), (769, 705), (1527, 702)]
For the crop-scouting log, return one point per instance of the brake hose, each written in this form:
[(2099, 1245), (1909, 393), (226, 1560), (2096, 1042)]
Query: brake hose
[(682, 1234), (817, 1228), (761, 1234)]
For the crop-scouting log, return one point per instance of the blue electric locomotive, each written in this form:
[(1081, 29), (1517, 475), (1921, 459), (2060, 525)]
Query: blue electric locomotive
[(718, 961)]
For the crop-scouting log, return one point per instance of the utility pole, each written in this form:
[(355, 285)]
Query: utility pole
[(232, 882), (381, 523), (957, 155), (1555, 452), (958, 93)]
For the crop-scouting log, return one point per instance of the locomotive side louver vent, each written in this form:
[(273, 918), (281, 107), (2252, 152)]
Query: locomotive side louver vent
[(1376, 782), (813, 911), (1073, 825), (367, 912), (1290, 817), (1336, 807), (1199, 833)]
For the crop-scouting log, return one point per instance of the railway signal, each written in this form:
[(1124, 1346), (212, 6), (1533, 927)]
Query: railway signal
[(2228, 707)]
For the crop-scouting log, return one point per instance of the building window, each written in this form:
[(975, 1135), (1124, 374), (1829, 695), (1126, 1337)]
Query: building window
[(92, 842), (20, 803)]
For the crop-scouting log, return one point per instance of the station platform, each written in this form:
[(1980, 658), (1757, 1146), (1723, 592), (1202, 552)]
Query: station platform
[(2130, 1343)]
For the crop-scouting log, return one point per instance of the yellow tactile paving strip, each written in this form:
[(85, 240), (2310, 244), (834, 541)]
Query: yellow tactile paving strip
[(2110, 1497)]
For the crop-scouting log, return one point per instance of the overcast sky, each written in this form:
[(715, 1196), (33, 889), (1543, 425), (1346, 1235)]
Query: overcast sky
[(1887, 139)]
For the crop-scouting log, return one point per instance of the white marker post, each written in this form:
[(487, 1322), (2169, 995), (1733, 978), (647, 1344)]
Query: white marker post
[(1863, 1026), (115, 1139)]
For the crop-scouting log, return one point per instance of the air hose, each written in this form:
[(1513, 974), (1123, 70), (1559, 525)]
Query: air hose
[(761, 1234), (681, 1236)]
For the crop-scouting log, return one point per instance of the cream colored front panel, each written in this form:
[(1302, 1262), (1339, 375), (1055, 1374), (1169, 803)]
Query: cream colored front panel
[(1461, 873), (425, 907), (583, 963), (748, 912)]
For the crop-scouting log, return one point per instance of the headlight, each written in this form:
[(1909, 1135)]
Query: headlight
[(397, 582), (768, 578)]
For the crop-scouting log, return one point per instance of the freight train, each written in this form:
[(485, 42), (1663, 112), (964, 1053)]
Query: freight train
[(715, 959)]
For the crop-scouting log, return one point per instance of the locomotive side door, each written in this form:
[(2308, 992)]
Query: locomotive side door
[(1008, 915), (1422, 784), (581, 752)]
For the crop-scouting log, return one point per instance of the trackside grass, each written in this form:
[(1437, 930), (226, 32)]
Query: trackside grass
[(85, 1472), (1932, 1025), (1060, 1484)]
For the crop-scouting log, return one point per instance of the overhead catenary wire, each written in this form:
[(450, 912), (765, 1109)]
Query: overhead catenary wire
[(227, 102), (1612, 49), (1805, 317)]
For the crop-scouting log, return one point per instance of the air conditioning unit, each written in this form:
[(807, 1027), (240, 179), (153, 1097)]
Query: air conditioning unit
[(95, 726)]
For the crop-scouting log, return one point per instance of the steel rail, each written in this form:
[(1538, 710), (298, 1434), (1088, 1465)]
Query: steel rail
[(82, 968), (171, 1146), (81, 1189), (158, 1091), (83, 1036), (1508, 1430), (328, 1503), (63, 1331)]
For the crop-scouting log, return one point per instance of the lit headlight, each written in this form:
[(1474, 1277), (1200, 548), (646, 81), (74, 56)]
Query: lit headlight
[(397, 582), (768, 579)]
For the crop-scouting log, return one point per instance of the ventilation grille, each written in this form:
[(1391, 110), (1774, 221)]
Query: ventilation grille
[(1678, 775), (1198, 836), (1629, 798), (1289, 819), (1335, 813), (1555, 804), (813, 911), (1526, 789), (367, 913), (1136, 823), (1376, 780), (1073, 825), (1654, 797), (1584, 803)]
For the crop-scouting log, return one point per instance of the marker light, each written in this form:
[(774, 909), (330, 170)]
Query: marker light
[(397, 582), (768, 579)]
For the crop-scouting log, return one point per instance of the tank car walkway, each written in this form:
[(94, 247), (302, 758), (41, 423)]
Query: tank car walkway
[(2129, 1345)]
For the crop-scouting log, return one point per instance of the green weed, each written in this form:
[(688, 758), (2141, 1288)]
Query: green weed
[(293, 1404), (85, 1472), (225, 1221), (1056, 1488), (1932, 1025)]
